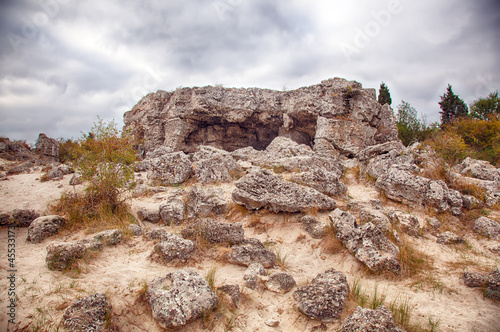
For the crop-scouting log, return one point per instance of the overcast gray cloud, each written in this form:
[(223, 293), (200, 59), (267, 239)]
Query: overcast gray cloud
[(65, 62)]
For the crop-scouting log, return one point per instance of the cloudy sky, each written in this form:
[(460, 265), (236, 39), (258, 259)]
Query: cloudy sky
[(65, 62)]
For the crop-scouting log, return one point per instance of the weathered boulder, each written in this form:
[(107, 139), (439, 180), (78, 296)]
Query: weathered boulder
[(379, 165), (203, 203), (44, 227), (47, 146), (380, 149), (218, 232), (214, 165), (366, 242), (173, 209), (149, 213), (478, 169), (364, 319), (322, 180), (23, 168), (57, 172), (91, 244), (402, 185), (246, 254), (233, 291), (253, 274), (408, 223), (263, 189), (23, 217), (109, 237), (449, 238), (62, 255), (314, 227), (90, 313), (179, 298), (168, 169), (324, 298), (280, 282), (76, 179), (489, 282), (172, 246), (334, 115), (487, 227), (135, 229)]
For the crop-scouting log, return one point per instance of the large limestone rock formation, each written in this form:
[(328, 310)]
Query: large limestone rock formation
[(335, 115)]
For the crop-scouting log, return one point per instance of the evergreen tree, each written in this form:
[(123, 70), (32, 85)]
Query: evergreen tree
[(486, 108), (452, 107), (384, 96)]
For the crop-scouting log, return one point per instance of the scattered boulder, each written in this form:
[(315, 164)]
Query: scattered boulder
[(322, 180), (149, 214), (23, 218), (91, 244), (233, 291), (168, 169), (434, 223), (61, 255), (364, 319), (253, 274), (23, 168), (172, 246), (43, 227), (324, 298), (135, 229), (246, 254), (109, 237), (402, 185), (179, 298), (449, 238), (218, 232), (57, 172), (315, 228), (487, 227), (173, 210), (262, 189), (408, 223), (5, 219), (214, 165), (203, 203), (280, 282), (90, 313), (366, 242), (478, 169), (490, 282)]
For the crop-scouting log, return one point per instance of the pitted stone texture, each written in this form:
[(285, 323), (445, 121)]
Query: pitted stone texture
[(172, 247), (246, 254), (109, 237), (202, 203), (478, 169), (23, 218), (179, 298), (44, 227), (262, 189), (150, 214), (253, 274), (61, 255), (368, 320), (169, 169), (88, 314), (487, 227), (219, 232), (315, 228), (214, 165), (366, 242), (449, 238), (47, 146), (173, 209), (408, 223), (280, 282), (324, 298), (489, 282)]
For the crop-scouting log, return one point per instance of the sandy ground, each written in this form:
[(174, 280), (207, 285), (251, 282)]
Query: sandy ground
[(122, 271)]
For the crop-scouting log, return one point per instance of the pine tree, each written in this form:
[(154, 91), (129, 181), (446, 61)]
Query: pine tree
[(452, 107), (384, 96)]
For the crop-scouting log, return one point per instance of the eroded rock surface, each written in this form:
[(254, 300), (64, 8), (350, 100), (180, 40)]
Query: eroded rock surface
[(366, 242), (487, 227), (364, 319), (179, 298), (61, 255), (324, 298), (490, 282), (263, 189), (44, 227), (90, 313), (246, 254), (280, 282)]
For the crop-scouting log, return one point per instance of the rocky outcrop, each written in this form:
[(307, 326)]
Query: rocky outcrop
[(489, 282), (364, 319), (478, 169), (169, 168), (90, 313), (62, 255), (179, 298), (248, 253), (366, 242), (214, 165), (202, 203), (335, 115), (262, 189), (44, 227), (47, 146), (400, 184), (449, 238), (324, 298), (487, 227)]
